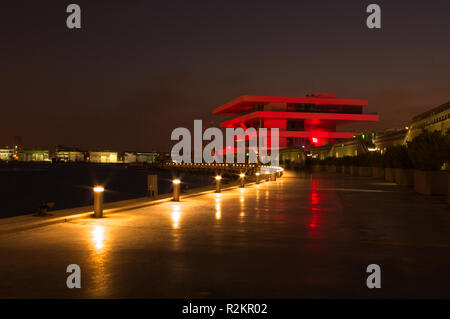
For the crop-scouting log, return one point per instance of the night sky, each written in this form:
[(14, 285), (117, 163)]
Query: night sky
[(138, 69)]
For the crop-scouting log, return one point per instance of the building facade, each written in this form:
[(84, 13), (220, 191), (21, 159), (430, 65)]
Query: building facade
[(140, 157), (390, 138), (6, 154), (68, 154), (436, 119), (103, 157), (34, 156), (302, 121)]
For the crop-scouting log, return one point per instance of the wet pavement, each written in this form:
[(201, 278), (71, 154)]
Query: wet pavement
[(307, 236)]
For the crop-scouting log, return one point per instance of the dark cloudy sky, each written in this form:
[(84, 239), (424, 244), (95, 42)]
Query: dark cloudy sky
[(138, 69)]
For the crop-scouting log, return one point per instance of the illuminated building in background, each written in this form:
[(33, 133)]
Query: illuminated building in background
[(436, 119), (302, 121), (140, 157), (67, 154), (34, 156), (103, 157), (6, 154)]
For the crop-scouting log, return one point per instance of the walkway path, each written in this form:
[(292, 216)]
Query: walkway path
[(309, 236)]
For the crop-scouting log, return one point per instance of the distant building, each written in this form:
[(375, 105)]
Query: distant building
[(358, 145), (103, 157), (436, 119), (6, 154), (147, 157), (66, 154), (390, 138), (140, 157), (34, 156), (291, 157), (129, 157)]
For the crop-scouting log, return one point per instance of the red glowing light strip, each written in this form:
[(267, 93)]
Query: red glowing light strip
[(245, 102), (316, 134), (336, 117)]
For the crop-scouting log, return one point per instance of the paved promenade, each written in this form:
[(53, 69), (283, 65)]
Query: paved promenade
[(308, 236)]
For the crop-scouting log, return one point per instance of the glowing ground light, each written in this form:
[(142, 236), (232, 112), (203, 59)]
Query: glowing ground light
[(218, 178), (176, 181), (98, 236), (99, 189)]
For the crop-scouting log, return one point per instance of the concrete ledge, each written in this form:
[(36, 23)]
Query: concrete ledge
[(25, 222)]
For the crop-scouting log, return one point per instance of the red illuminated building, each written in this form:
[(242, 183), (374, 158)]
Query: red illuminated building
[(302, 121)]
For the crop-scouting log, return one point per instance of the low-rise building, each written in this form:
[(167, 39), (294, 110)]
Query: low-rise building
[(34, 156), (66, 154), (6, 154), (140, 157), (291, 157), (390, 138), (146, 157), (129, 157), (358, 145), (436, 119), (103, 157)]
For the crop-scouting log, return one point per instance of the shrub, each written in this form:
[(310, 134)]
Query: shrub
[(363, 159), (347, 160), (310, 162), (376, 159), (400, 157), (429, 150)]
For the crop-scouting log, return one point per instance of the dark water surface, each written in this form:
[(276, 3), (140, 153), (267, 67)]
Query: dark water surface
[(24, 185)]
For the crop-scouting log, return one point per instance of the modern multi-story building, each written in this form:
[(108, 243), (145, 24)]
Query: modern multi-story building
[(302, 121)]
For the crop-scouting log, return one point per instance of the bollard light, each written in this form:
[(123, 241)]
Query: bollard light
[(242, 176), (218, 181), (98, 201), (176, 190), (257, 177)]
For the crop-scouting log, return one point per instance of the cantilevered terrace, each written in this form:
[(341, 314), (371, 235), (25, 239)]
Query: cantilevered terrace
[(302, 121)]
